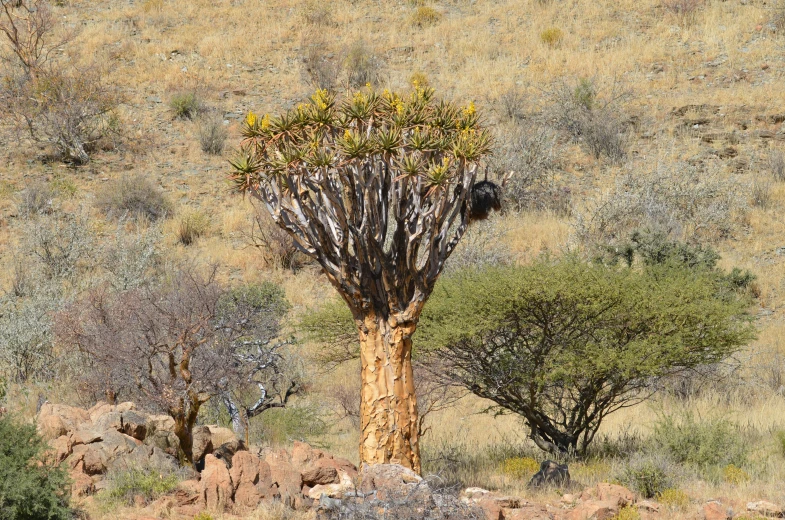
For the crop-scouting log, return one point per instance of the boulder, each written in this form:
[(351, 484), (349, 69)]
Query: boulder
[(594, 510), (55, 420), (766, 509), (251, 480), (133, 424), (227, 450), (286, 480), (714, 510), (551, 474), (215, 485), (61, 449), (100, 408), (202, 442), (220, 435), (610, 492), (81, 484), (339, 489), (159, 423), (399, 487), (164, 440), (95, 459), (529, 512), (87, 435)]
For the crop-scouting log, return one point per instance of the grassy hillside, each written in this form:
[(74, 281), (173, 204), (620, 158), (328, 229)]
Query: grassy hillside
[(693, 90)]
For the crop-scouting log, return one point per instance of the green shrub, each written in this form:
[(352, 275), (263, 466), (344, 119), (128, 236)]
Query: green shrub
[(186, 105), (204, 515), (133, 197), (192, 226), (64, 186), (127, 483), (733, 474), (29, 491), (552, 36), (702, 444), (647, 476)]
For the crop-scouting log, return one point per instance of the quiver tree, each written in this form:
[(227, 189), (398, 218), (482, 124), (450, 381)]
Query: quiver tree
[(377, 189)]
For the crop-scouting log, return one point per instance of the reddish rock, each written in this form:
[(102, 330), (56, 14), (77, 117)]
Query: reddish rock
[(215, 484), (594, 510), (766, 508), (81, 484), (345, 484), (55, 420), (715, 511), (285, 478), (321, 471), (609, 492), (95, 460), (251, 479), (492, 510), (530, 512), (61, 449)]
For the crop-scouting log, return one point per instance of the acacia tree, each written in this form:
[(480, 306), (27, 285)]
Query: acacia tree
[(378, 190)]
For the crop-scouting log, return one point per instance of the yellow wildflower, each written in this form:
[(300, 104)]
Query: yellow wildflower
[(250, 119)]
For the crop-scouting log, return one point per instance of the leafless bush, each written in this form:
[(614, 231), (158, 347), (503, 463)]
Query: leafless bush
[(274, 244), (41, 95), (777, 165), (37, 199), (212, 136), (178, 345), (760, 192), (63, 246), (482, 245), (133, 197), (676, 200), (595, 119), (511, 103), (684, 10), (363, 67), (321, 67), (132, 258), (533, 155)]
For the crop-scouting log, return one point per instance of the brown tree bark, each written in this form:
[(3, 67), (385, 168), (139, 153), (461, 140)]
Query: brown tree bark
[(388, 404)]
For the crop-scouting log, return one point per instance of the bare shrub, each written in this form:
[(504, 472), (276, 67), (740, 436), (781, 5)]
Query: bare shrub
[(777, 165), (274, 244), (676, 200), (533, 155), (62, 246), (321, 67), (212, 136), (760, 192), (685, 10), (193, 224), (483, 245), (37, 199), (44, 97), (511, 103), (363, 67), (591, 117), (133, 197), (317, 13), (132, 258), (178, 345)]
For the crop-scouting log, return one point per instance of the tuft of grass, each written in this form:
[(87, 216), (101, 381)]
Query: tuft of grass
[(126, 484), (193, 225), (186, 105), (419, 80), (777, 165), (203, 515), (64, 186), (674, 498), (153, 6), (760, 192), (7, 189), (552, 37), (135, 197), (780, 438), (425, 15), (37, 199), (212, 136), (646, 475)]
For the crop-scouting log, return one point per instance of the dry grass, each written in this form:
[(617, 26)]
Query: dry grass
[(669, 57)]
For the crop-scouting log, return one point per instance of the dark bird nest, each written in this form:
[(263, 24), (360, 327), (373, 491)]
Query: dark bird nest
[(486, 196)]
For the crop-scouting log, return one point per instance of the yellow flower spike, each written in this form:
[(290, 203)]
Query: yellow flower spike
[(265, 122), (250, 119), (347, 135)]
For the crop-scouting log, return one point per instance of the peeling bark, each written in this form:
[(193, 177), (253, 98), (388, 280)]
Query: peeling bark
[(388, 405)]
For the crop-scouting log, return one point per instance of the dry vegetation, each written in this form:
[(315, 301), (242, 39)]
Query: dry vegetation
[(659, 94)]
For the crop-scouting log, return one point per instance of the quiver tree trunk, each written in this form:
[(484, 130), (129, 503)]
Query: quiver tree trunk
[(388, 404)]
